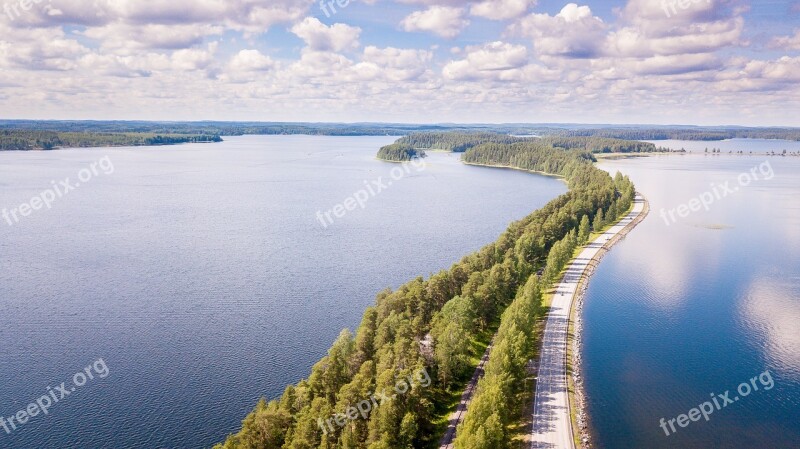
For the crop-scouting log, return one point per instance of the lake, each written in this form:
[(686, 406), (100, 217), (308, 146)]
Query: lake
[(684, 310), (203, 277)]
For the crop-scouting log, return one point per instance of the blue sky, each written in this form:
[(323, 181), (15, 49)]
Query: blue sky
[(629, 61)]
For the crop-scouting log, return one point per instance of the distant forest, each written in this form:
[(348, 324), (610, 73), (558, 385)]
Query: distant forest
[(24, 134), (49, 140)]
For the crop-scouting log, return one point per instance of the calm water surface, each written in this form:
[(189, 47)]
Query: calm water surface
[(202, 277), (682, 310)]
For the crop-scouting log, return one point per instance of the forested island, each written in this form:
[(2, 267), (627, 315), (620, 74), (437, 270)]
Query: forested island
[(415, 144), (399, 152), (22, 140), (442, 325)]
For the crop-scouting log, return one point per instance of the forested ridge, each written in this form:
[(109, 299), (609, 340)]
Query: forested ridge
[(678, 133), (450, 137), (441, 324), (454, 141), (48, 140), (460, 142), (601, 144)]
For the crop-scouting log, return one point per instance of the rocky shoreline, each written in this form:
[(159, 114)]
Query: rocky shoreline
[(579, 395)]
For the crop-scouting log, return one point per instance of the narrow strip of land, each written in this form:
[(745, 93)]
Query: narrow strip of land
[(552, 422)]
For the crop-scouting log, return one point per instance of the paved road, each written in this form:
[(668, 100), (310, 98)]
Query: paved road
[(552, 426)]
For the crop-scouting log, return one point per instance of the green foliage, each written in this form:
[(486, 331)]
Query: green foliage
[(496, 398), (457, 142), (584, 230), (599, 221), (399, 152), (600, 144), (452, 331), (48, 140)]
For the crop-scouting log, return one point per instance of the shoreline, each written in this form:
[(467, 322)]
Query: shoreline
[(581, 420), (559, 415), (474, 164)]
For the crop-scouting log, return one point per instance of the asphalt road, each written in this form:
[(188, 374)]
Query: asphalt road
[(552, 427)]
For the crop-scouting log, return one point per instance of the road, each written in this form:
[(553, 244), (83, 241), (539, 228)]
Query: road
[(552, 426)]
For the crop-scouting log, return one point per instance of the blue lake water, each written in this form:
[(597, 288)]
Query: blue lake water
[(686, 308), (203, 278)]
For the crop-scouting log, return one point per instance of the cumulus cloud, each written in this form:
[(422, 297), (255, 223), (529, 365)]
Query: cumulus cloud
[(494, 60), (251, 60), (574, 32), (251, 16), (501, 9), (445, 21), (394, 64), (786, 42), (122, 37), (320, 37), (701, 27), (573, 65)]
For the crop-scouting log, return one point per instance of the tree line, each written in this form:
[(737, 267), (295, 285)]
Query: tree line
[(453, 141), (678, 133), (22, 140), (392, 129), (460, 142), (441, 323)]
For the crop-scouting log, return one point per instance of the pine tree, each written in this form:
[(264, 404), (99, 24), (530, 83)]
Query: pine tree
[(584, 230)]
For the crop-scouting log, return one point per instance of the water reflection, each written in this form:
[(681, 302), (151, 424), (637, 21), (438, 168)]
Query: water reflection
[(678, 311), (771, 313)]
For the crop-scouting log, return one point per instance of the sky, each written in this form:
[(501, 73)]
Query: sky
[(700, 62)]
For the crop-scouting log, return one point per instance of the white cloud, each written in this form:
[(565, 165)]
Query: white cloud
[(192, 59), (786, 42), (394, 64), (123, 37), (501, 9), (92, 54), (573, 33), (445, 21), (320, 37), (251, 60), (496, 60), (251, 16)]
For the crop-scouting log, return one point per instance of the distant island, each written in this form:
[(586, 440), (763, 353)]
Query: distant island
[(415, 144), (26, 140)]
